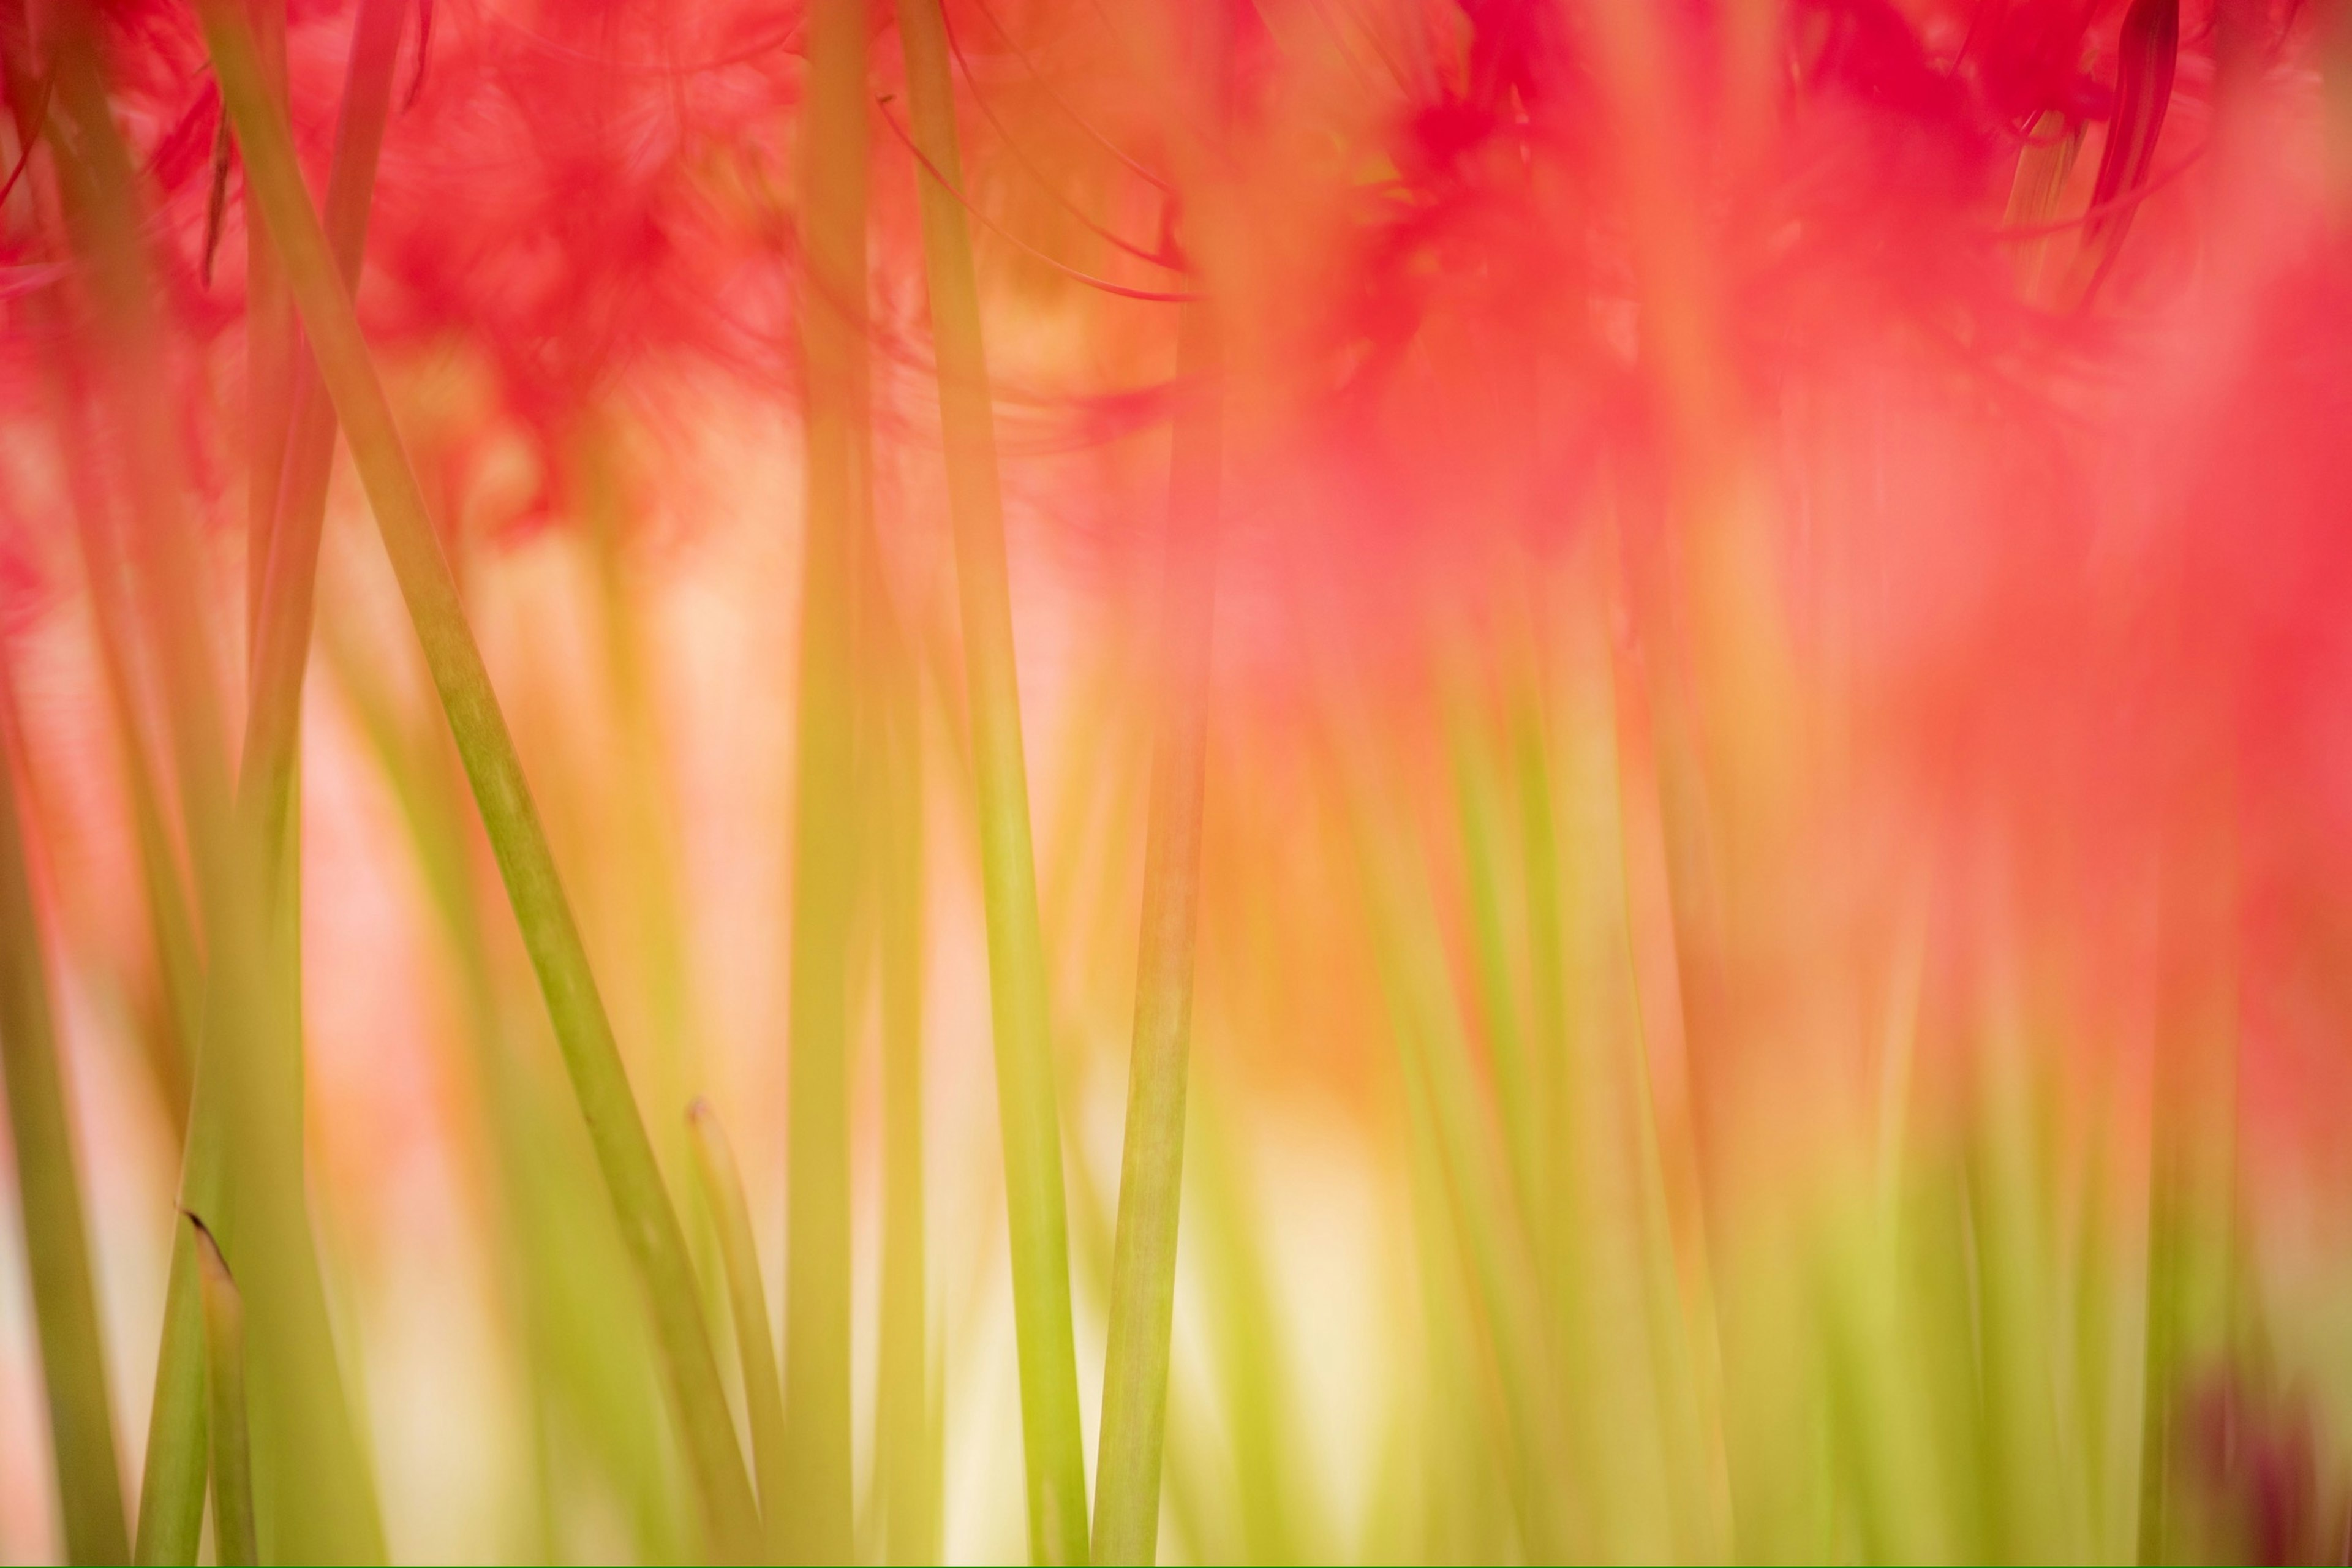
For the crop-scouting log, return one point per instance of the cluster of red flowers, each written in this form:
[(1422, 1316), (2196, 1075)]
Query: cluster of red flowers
[(2055, 432)]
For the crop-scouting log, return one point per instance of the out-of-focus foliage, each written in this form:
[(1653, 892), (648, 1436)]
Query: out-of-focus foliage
[(1773, 920)]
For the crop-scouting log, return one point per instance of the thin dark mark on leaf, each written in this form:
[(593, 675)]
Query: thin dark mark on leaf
[(2148, 50), (36, 119), (1152, 296), (216, 203)]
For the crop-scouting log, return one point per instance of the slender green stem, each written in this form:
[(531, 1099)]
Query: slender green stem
[(56, 1242), (648, 1223), (1245, 1331), (172, 926), (56, 1245), (171, 1500), (592, 1365), (169, 1040), (1038, 1222), (223, 1313), (289, 574), (905, 1474), (271, 358), (243, 1158), (1441, 1084), (646, 848), (172, 1487), (173, 1017), (817, 1464), (739, 1255), (1150, 1189), (1486, 855)]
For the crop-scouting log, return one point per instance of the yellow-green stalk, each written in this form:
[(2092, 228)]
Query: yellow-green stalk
[(279, 628), (168, 1038), (1244, 1313), (649, 1224), (48, 1193), (271, 356), (57, 1243), (747, 1300), (595, 1378), (906, 1472), (658, 931), (233, 1538), (1151, 1168), (1456, 1135), (833, 186), (243, 1154), (1038, 1222)]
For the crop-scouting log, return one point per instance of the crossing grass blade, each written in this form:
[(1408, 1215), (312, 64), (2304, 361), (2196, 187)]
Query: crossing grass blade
[(906, 1468), (1143, 1268), (722, 1190), (48, 1193), (1038, 1220), (243, 1156), (234, 1537), (593, 1375), (295, 429), (815, 1507), (649, 1224)]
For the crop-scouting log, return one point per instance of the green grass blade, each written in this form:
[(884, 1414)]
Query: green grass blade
[(243, 1160), (722, 1190), (817, 1464), (1037, 1219), (171, 1499), (170, 921), (1143, 1266), (224, 1313), (649, 1224), (56, 1245), (282, 615), (1472, 1172), (1276, 1504), (272, 358), (171, 1488), (1485, 857), (906, 1472), (595, 1388)]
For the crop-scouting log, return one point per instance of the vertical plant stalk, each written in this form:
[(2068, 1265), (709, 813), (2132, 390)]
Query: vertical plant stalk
[(171, 920), (1038, 1222), (289, 574), (739, 1257), (169, 1040), (171, 1485), (1277, 1517), (56, 1244), (1468, 1170), (591, 1363), (649, 1224), (833, 196), (243, 1158), (271, 355), (906, 1478), (1151, 1170), (1487, 861), (171, 1502), (2193, 1256), (646, 846), (64, 1293), (224, 1314)]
